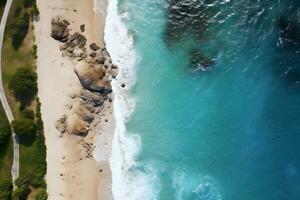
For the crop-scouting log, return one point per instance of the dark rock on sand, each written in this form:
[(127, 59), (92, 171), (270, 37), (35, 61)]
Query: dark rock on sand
[(80, 40), (82, 28), (99, 59), (61, 124), (93, 54), (59, 29), (94, 47)]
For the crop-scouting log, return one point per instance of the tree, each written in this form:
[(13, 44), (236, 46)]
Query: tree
[(24, 127), (28, 114), (5, 131), (41, 195), (29, 3), (21, 193), (35, 11), (5, 189), (19, 31), (24, 84)]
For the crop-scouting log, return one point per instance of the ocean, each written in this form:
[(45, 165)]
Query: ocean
[(211, 106)]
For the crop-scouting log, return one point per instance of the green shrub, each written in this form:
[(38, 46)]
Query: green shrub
[(37, 179), (24, 85), (18, 11), (23, 190), (24, 127), (5, 189), (28, 114), (2, 3), (35, 11), (34, 51), (38, 107), (41, 195), (22, 180), (21, 193), (19, 31), (29, 3)]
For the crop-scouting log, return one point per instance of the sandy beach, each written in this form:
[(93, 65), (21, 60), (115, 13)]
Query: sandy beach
[(70, 173)]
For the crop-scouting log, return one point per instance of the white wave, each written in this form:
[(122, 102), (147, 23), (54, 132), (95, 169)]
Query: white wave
[(128, 183), (191, 186)]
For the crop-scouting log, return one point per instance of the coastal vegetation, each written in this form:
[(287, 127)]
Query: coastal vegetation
[(19, 55), (24, 85), (6, 149), (6, 156), (2, 5)]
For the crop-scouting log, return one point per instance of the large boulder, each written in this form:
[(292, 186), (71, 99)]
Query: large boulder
[(92, 77), (76, 125), (84, 114), (59, 29), (96, 98)]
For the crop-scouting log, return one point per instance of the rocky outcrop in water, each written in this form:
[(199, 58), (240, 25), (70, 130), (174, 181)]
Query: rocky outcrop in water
[(189, 19), (199, 61), (94, 69)]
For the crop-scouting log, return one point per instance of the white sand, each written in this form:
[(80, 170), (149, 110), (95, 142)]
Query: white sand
[(69, 174)]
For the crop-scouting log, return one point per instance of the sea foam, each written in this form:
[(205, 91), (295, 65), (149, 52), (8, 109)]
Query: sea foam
[(127, 181)]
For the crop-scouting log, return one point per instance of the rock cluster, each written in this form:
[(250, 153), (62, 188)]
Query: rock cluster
[(60, 29), (94, 69)]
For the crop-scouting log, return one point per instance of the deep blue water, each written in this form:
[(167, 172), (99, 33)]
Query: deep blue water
[(231, 132)]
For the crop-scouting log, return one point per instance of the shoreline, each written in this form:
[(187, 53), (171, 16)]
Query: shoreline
[(71, 174)]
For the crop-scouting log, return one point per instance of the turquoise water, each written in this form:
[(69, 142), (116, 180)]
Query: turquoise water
[(231, 132)]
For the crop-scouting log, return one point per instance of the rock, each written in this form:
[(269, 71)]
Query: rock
[(73, 37), (107, 64), (105, 53), (123, 85), (70, 49), (70, 44), (61, 124), (114, 67), (70, 55), (82, 28), (90, 108), (94, 47), (63, 46), (80, 109), (59, 29), (93, 54), (200, 61), (76, 126), (97, 98), (81, 40), (114, 73), (99, 59), (78, 39), (83, 55), (92, 77)]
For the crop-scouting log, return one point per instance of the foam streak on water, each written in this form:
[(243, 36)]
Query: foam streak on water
[(127, 183)]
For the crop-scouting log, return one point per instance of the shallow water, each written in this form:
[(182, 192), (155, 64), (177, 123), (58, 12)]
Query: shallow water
[(230, 132)]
